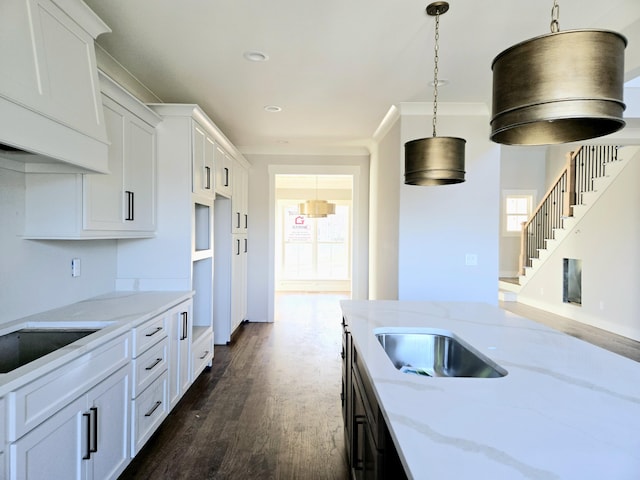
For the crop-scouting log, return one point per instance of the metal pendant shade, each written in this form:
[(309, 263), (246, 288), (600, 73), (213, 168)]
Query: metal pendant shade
[(316, 208), (560, 87), (434, 160)]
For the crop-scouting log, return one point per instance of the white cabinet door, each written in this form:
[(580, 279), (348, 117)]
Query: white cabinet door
[(87, 439), (239, 280), (125, 198), (202, 162), (179, 351), (55, 449), (224, 173), (140, 177), (109, 410), (103, 194)]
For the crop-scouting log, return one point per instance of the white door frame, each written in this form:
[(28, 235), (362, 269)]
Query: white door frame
[(360, 250)]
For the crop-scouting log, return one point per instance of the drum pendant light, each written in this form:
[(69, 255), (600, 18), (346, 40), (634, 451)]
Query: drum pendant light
[(316, 208), (559, 87), (434, 160)]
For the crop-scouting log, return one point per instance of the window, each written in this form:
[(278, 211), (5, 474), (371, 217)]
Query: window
[(517, 208), (315, 248)]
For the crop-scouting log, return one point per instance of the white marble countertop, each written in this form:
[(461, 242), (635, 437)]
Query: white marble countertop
[(566, 409), (112, 314)]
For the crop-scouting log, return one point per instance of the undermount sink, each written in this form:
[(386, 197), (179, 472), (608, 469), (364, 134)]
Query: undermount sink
[(436, 353), (23, 346)]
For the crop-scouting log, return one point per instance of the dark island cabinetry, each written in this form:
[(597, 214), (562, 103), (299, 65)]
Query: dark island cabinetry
[(370, 449)]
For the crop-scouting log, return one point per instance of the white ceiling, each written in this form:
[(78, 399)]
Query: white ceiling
[(335, 67)]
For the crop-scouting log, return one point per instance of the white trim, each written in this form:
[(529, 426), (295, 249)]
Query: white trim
[(389, 120), (517, 192)]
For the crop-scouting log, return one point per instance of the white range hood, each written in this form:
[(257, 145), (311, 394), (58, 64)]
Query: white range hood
[(50, 106)]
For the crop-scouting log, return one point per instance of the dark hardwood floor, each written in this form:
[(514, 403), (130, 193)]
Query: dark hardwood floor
[(269, 408)]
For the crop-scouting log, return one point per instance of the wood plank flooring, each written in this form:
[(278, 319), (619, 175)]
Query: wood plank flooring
[(269, 408)]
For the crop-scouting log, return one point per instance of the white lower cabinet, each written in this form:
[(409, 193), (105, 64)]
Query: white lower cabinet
[(87, 439), (90, 416), (239, 280), (201, 354), (180, 334)]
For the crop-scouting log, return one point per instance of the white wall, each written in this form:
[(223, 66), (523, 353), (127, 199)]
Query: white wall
[(440, 225), (261, 221), (606, 239), (521, 168), (36, 275), (384, 208)]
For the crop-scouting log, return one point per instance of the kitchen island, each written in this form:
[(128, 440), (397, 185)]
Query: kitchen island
[(565, 410)]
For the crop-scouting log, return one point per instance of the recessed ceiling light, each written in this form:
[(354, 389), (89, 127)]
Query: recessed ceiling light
[(256, 56), (273, 108)]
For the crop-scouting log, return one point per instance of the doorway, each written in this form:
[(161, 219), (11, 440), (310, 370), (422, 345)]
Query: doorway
[(313, 254), (358, 225)]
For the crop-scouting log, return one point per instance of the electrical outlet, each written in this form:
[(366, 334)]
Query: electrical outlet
[(471, 259), (75, 267)]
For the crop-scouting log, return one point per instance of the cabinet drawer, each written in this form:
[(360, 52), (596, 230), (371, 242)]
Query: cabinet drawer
[(149, 410), (30, 405), (149, 333), (148, 366), (201, 354)]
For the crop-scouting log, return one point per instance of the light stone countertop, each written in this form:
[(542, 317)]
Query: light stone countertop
[(113, 314), (566, 409)]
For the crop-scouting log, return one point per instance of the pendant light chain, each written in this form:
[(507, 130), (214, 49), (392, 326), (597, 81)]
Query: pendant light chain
[(435, 71), (555, 17)]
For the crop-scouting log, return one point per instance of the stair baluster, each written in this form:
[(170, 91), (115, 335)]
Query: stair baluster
[(583, 165)]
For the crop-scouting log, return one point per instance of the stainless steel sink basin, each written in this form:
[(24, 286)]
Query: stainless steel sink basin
[(28, 344), (436, 354)]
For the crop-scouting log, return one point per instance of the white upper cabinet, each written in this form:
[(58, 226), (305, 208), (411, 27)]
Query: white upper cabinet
[(120, 204), (224, 173), (124, 199), (203, 161), (50, 102)]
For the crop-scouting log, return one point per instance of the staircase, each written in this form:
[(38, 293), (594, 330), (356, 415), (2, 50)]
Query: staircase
[(588, 173)]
